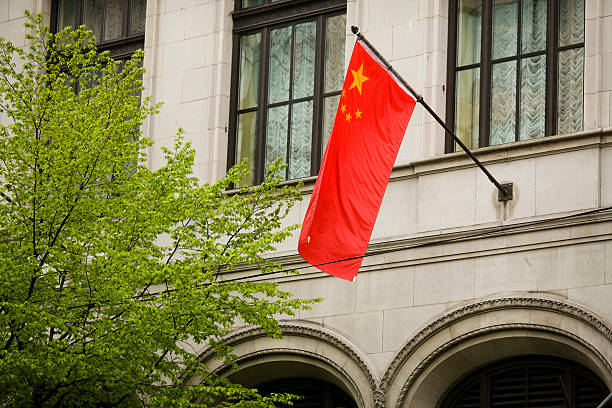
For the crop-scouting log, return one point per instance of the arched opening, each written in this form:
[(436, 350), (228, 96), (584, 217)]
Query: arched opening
[(313, 393), (528, 381)]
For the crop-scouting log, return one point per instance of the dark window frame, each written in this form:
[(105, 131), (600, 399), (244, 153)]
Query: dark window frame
[(486, 63), (481, 379), (119, 48), (263, 19)]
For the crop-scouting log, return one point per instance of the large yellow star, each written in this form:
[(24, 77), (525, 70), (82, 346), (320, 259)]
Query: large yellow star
[(358, 78)]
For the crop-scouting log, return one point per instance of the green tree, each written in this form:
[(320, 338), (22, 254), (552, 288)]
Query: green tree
[(110, 270)]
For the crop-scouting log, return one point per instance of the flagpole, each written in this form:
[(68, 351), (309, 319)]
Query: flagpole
[(505, 190)]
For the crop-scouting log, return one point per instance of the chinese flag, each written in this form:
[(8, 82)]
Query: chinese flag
[(370, 123)]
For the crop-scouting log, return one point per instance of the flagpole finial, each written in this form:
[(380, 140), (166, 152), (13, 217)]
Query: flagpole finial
[(355, 29)]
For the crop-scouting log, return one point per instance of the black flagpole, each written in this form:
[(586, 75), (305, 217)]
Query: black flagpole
[(505, 190)]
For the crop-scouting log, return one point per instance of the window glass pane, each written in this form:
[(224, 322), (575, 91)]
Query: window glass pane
[(571, 22), (280, 65), (113, 22), (66, 14), (503, 103), (330, 107), (533, 97), (245, 146), (251, 3), (467, 107), (505, 21), (570, 91), (94, 12), (276, 133), (138, 10), (469, 20), (250, 55), (301, 140), (533, 34), (334, 52), (304, 59)]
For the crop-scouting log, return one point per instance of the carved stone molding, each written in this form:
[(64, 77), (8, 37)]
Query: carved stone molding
[(482, 332), (303, 331), (296, 352), (486, 306), (380, 399)]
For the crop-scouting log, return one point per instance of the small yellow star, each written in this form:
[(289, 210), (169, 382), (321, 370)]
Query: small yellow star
[(358, 114), (343, 92), (358, 78), (343, 108), (348, 117)]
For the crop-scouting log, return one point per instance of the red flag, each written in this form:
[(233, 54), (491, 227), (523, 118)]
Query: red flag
[(370, 123)]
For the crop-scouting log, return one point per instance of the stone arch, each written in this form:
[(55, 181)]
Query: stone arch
[(486, 331), (305, 350)]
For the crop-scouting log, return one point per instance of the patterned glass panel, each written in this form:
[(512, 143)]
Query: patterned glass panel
[(330, 107), (570, 91), (334, 52), (250, 55), (533, 97), (571, 22), (280, 65), (67, 13), (304, 59), (467, 107), (94, 12), (138, 9), (245, 147), (113, 22), (505, 22), (533, 31), (503, 103), (276, 133), (469, 18), (301, 140)]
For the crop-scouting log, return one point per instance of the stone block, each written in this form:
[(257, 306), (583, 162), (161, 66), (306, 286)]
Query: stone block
[(397, 216), (338, 296), (605, 34), (567, 181), (606, 177), (411, 69), (400, 325), (595, 298), (592, 37), (167, 89), (196, 85), (171, 27), (184, 55), (606, 7), (382, 39), (201, 20), (608, 262), (592, 112), (14, 31), (4, 11), (567, 267), (392, 14), (606, 66), (503, 274), (522, 174), (439, 195), (384, 289), (410, 38), (592, 77), (443, 282), (16, 8), (364, 329)]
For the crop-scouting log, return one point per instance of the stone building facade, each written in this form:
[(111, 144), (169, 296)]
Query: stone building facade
[(461, 297)]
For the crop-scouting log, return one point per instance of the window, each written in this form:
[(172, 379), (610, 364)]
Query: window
[(117, 24), (287, 73), (528, 382), (515, 69)]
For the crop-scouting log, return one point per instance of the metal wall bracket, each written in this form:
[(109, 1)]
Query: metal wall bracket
[(505, 193)]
